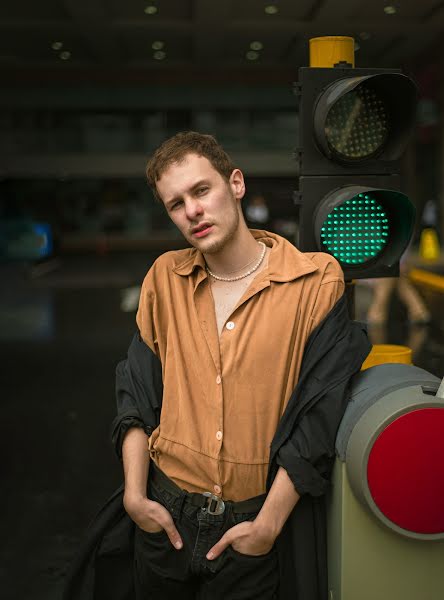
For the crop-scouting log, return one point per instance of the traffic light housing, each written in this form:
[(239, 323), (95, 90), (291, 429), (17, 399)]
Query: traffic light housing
[(385, 523), (354, 126)]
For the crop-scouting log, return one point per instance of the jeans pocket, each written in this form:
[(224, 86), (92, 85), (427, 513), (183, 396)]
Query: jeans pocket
[(159, 533), (241, 517), (254, 576), (253, 557), (153, 551), (155, 535)]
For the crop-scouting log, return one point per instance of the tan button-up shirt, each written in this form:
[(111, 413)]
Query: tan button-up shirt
[(223, 396)]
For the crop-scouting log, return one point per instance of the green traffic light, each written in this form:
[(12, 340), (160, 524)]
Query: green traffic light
[(358, 235)]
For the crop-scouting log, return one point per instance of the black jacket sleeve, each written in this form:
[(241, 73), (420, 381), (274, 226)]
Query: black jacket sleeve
[(139, 390), (305, 441), (309, 453)]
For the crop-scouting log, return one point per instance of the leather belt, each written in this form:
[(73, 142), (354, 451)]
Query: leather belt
[(207, 501)]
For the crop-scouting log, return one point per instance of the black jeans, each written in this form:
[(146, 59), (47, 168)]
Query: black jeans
[(164, 573)]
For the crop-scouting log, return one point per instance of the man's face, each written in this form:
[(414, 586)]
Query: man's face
[(201, 203)]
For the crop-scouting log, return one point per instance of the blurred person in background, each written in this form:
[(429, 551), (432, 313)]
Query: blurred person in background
[(257, 213), (383, 289), (228, 405), (417, 311)]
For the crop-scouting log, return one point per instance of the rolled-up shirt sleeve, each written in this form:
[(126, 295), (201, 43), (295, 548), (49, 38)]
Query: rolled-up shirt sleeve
[(139, 390), (128, 414)]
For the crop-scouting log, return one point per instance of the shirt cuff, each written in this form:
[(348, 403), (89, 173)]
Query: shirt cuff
[(120, 427), (305, 477)]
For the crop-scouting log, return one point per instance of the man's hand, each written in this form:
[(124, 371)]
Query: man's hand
[(152, 517), (257, 537), (246, 538)]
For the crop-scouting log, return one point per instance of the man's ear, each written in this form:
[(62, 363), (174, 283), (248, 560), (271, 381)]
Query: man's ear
[(237, 183)]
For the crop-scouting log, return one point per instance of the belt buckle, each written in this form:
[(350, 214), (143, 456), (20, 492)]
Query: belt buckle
[(213, 504)]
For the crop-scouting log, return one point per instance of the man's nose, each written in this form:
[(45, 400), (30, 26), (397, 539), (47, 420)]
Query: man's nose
[(193, 209)]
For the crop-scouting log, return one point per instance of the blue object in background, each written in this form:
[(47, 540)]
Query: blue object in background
[(44, 235), (24, 239)]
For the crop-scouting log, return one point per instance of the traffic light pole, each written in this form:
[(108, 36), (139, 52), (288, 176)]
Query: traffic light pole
[(350, 295)]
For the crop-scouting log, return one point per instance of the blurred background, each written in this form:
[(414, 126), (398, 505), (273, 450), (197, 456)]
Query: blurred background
[(89, 90)]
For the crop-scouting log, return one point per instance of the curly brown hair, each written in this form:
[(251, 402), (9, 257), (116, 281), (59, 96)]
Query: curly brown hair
[(176, 148)]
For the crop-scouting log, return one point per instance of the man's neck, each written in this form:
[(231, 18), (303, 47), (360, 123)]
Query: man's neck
[(238, 254)]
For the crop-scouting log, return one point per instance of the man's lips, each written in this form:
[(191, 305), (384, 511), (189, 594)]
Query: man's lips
[(201, 230)]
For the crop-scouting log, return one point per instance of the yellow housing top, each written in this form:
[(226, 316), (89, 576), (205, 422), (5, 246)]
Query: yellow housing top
[(331, 49)]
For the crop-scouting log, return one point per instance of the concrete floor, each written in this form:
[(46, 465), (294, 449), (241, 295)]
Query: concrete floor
[(62, 331)]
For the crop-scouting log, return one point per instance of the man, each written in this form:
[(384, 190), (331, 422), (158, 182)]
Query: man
[(230, 398)]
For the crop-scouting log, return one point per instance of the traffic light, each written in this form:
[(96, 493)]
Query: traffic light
[(354, 126)]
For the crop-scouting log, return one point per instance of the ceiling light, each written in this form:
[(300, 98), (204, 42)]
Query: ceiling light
[(57, 45), (271, 9), (159, 55), (252, 55), (390, 10), (65, 55), (256, 45), (150, 9), (158, 45)]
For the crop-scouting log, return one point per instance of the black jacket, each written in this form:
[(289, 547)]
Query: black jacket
[(303, 444)]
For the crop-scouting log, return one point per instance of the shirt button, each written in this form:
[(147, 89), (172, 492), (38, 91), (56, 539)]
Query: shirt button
[(219, 435), (230, 325), (218, 379), (217, 489)]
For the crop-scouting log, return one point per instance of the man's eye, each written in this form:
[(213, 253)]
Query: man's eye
[(176, 205), (202, 190)]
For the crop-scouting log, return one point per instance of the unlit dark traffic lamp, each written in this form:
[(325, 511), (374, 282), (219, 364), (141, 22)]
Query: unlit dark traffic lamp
[(367, 131), (358, 115), (354, 125)]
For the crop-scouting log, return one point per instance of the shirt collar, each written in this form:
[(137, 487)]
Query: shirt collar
[(194, 259), (285, 261)]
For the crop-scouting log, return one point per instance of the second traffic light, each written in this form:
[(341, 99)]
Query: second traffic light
[(354, 125), (366, 227)]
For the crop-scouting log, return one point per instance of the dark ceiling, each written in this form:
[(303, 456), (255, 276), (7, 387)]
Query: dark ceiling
[(207, 35)]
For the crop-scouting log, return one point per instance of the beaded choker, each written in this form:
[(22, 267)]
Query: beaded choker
[(252, 270)]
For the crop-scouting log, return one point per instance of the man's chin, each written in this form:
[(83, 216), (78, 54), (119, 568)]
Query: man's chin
[(206, 246)]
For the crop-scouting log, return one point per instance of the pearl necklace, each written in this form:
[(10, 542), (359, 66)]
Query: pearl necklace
[(252, 270)]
